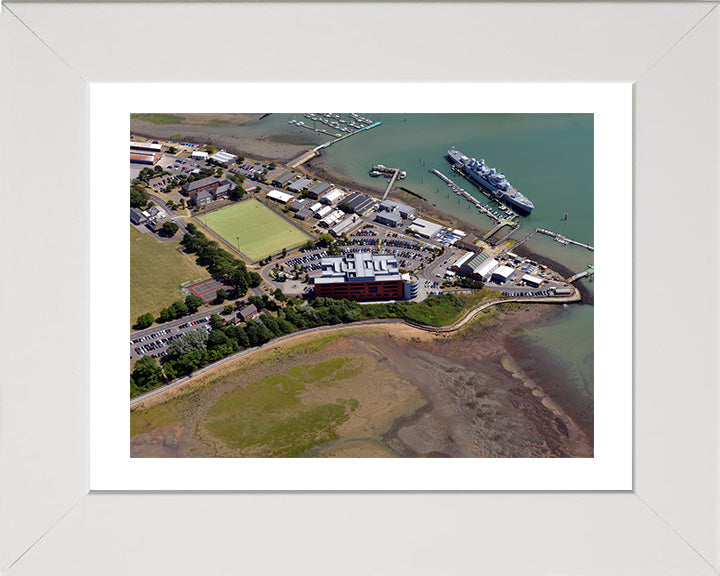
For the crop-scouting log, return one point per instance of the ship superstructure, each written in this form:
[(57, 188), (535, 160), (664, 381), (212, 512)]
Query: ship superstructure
[(491, 180)]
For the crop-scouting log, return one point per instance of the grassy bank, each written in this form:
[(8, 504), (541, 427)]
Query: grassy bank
[(156, 271)]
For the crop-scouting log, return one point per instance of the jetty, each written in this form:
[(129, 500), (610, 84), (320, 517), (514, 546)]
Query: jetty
[(560, 239), (390, 183), (589, 272), (462, 192), (305, 156)]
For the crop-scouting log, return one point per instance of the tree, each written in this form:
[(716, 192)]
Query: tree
[(326, 240), (193, 303), (284, 252), (179, 308), (210, 149), (216, 339), (146, 374), (157, 168), (144, 321), (169, 228), (228, 309), (190, 342), (138, 197), (220, 296), (345, 207), (216, 322)]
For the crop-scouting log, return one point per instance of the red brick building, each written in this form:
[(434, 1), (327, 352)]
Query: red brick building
[(360, 276)]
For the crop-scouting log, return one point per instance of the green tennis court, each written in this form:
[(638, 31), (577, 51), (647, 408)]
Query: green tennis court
[(254, 229)]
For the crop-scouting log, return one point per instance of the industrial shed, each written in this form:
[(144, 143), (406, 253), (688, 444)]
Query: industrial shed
[(502, 274)]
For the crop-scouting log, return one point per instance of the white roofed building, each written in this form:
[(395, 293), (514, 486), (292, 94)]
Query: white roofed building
[(332, 197), (532, 280), (223, 157), (502, 274), (279, 196), (424, 228)]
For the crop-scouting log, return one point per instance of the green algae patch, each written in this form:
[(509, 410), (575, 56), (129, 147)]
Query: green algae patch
[(268, 417), (142, 421)]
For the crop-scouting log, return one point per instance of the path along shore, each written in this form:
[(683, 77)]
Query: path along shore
[(455, 326)]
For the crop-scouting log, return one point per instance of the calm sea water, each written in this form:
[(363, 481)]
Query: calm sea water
[(547, 157)]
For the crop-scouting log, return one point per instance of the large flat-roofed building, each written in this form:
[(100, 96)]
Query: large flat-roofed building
[(531, 280), (424, 228), (223, 157), (360, 276), (503, 274), (150, 147), (199, 155)]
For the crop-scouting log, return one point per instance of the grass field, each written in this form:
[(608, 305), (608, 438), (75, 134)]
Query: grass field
[(159, 118), (156, 271), (256, 229)]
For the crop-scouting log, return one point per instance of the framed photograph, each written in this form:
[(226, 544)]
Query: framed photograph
[(66, 63), (502, 440)]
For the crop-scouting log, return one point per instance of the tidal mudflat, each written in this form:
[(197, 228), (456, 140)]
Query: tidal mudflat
[(373, 391)]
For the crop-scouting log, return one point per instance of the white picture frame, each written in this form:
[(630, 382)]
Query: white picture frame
[(49, 523)]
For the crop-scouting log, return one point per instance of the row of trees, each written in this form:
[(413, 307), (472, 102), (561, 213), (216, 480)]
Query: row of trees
[(218, 262), (177, 309), (200, 348)]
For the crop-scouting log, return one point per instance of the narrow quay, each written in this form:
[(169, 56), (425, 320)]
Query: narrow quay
[(559, 238), (461, 192), (562, 240)]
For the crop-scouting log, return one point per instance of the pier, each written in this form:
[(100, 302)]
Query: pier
[(331, 142), (559, 238), (316, 151), (589, 272), (304, 157), (461, 192), (390, 184)]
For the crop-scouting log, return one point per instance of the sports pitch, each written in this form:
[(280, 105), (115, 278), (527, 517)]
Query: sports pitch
[(254, 228)]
